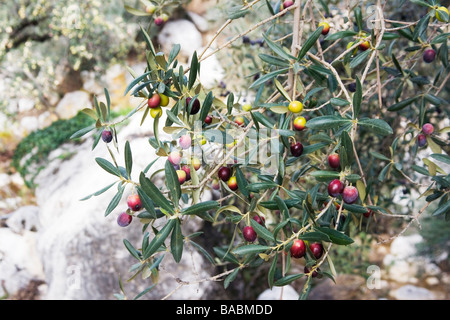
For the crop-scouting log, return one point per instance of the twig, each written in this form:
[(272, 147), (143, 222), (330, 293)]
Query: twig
[(218, 32), (407, 226), (279, 14)]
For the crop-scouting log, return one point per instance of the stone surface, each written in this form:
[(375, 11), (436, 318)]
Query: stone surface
[(24, 219), (347, 287), (432, 281), (26, 104), (182, 32), (405, 246), (410, 292), (403, 264), (288, 293), (29, 124), (200, 22), (19, 260), (211, 72), (71, 103), (82, 251), (90, 83)]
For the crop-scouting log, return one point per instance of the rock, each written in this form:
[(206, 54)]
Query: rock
[(401, 270), (347, 287), (182, 32), (5, 180), (431, 269), (200, 7), (410, 292), (432, 281), (10, 203), (405, 246), (211, 71), (445, 278), (200, 22), (71, 103), (45, 119), (29, 124), (82, 250), (26, 104), (19, 260), (90, 83), (24, 219), (138, 68), (288, 293), (3, 121), (114, 80), (404, 265)]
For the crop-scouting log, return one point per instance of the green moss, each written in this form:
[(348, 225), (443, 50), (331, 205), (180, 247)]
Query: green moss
[(32, 152)]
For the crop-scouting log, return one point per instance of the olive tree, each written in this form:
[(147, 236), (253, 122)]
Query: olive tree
[(345, 97)]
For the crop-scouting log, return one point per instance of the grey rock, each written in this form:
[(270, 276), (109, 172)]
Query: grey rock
[(182, 32), (405, 246), (82, 251), (19, 260), (71, 103), (404, 265), (29, 124), (23, 219), (410, 292), (200, 22), (90, 83), (211, 71), (26, 104), (285, 293)]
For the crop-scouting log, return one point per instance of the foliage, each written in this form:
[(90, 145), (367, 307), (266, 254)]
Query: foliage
[(368, 105), (41, 40)]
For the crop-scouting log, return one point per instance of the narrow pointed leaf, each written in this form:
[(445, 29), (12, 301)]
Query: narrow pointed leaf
[(273, 268), (230, 278), (309, 43), (203, 251), (288, 279), (98, 192), (172, 182), (207, 104), (159, 239), (357, 98), (176, 242), (377, 126), (327, 122), (115, 201), (261, 231), (108, 166), (267, 77), (135, 253), (200, 208), (402, 104), (155, 194), (149, 41), (249, 249), (128, 158), (359, 59), (147, 203), (277, 49), (335, 236), (193, 70), (241, 182)]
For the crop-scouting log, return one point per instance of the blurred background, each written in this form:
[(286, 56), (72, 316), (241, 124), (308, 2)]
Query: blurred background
[(54, 58)]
